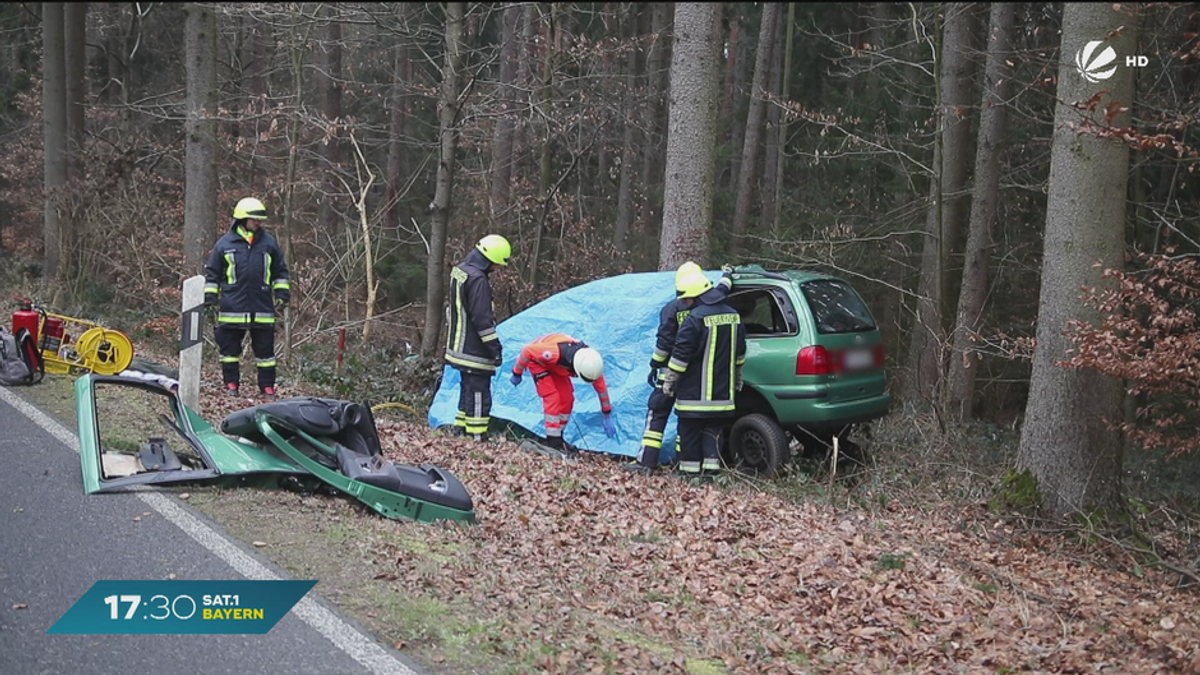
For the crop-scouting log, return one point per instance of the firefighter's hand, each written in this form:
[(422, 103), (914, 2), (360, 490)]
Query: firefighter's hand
[(515, 379), (652, 378), (610, 427), (281, 302), (210, 300), (668, 382), (737, 379), (727, 268)]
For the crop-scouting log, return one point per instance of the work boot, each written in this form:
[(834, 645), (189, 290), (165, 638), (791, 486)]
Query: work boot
[(482, 438), (231, 389), (268, 393)]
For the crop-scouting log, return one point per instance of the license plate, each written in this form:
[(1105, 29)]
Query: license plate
[(858, 359)]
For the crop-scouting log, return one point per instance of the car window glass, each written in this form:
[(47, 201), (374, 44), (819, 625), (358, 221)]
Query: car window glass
[(760, 312), (836, 307)]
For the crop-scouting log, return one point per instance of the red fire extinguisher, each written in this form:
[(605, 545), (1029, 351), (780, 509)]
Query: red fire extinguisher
[(52, 336), (26, 318)]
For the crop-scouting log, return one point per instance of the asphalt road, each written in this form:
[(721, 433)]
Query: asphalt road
[(55, 542)]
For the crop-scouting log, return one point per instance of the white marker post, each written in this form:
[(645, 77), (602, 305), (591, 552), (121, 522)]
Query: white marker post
[(191, 344)]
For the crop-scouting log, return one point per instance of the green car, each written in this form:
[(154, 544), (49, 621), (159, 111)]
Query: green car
[(814, 367)]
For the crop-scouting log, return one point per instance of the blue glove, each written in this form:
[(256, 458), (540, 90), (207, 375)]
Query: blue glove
[(515, 379), (610, 428)]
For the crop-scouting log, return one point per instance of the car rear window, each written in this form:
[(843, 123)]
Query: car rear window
[(837, 307)]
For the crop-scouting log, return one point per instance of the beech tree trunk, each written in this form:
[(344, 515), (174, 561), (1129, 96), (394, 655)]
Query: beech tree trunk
[(435, 284), (502, 137), (949, 201), (397, 176), (1065, 441), (691, 136), (993, 121), (625, 197), (770, 179), (657, 81), (200, 167), (754, 128), (54, 133)]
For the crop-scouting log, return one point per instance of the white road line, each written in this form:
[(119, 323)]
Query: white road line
[(345, 637)]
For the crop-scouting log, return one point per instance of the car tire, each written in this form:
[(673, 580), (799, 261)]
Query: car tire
[(759, 445)]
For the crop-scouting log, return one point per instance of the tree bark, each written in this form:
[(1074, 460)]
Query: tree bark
[(629, 146), (656, 85), (737, 128), (74, 38), (448, 102), (948, 204), (781, 143), (502, 137), (770, 179), (54, 133), (691, 136), (993, 121), (527, 76), (396, 174), (1065, 441), (754, 128), (200, 184), (327, 215), (545, 164)]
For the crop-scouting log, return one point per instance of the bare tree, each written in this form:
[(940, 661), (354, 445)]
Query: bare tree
[(692, 135), (332, 89), (629, 145), (200, 189), (1065, 442), (54, 132), (949, 200), (448, 105), (993, 120), (502, 138), (754, 127)]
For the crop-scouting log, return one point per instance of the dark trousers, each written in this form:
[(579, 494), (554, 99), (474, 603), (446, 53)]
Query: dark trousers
[(700, 449), (658, 412), (262, 341), (474, 404)]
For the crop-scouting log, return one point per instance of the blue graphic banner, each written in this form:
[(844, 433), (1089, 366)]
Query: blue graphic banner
[(182, 607)]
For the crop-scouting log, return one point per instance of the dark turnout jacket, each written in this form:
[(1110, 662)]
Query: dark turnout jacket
[(709, 348), (471, 340), (672, 316), (246, 276)]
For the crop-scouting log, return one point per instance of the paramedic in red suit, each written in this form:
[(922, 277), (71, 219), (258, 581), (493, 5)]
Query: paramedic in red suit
[(552, 360)]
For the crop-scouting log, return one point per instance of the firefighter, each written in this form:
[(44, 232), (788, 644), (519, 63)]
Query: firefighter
[(659, 405), (245, 271), (553, 359), (704, 373), (472, 345)]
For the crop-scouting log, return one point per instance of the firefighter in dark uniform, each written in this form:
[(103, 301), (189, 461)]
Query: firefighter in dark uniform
[(659, 406), (472, 345), (704, 374), (245, 272)]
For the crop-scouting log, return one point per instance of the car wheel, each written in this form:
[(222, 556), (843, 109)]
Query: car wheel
[(759, 445)]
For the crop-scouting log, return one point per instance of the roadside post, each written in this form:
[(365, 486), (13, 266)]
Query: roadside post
[(191, 344)]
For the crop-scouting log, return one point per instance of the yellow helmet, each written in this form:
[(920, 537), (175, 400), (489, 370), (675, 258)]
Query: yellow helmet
[(684, 270), (693, 284), (495, 248), (250, 208)]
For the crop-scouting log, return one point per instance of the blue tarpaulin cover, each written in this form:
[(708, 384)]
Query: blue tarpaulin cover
[(618, 316)]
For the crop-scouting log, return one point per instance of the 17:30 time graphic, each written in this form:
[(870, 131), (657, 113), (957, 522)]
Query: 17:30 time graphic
[(168, 607)]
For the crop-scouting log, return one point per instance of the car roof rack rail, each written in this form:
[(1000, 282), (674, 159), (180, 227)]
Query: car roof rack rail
[(758, 271)]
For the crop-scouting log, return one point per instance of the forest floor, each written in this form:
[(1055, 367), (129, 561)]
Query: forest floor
[(586, 568)]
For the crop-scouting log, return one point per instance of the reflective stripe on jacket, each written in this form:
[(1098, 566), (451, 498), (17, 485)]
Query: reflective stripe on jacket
[(471, 340), (247, 276), (709, 348)]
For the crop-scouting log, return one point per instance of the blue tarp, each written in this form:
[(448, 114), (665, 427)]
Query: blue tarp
[(619, 317)]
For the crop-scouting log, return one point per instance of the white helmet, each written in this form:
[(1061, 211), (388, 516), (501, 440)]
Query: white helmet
[(589, 364)]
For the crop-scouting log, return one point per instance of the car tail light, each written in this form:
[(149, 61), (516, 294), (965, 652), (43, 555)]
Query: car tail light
[(813, 361), (880, 355)]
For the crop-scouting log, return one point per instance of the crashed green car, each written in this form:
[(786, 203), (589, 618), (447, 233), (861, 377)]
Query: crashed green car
[(135, 433)]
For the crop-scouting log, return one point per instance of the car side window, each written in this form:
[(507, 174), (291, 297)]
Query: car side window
[(761, 312)]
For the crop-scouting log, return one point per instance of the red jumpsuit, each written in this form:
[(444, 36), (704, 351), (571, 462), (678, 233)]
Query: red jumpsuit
[(550, 359)]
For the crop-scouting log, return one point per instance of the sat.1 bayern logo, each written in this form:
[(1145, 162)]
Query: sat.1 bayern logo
[(1091, 68)]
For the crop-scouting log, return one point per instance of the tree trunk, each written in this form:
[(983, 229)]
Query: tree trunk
[(993, 121), (737, 129), (754, 128), (656, 85), (502, 137), (771, 155), (200, 184), (327, 216), (74, 44), (527, 76), (629, 147), (948, 204), (544, 161), (1065, 441), (781, 143), (396, 174), (448, 102), (691, 136), (54, 132)]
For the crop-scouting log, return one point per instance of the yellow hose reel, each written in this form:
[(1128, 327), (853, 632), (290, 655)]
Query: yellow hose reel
[(105, 351)]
